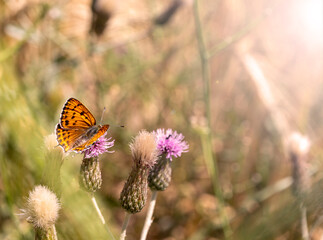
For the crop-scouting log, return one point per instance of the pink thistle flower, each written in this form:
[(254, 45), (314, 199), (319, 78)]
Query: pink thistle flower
[(100, 146), (170, 143)]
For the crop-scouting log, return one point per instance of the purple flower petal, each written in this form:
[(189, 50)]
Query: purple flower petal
[(170, 143), (99, 147)]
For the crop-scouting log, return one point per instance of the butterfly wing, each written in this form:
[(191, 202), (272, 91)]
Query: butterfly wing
[(75, 115), (67, 138), (93, 139)]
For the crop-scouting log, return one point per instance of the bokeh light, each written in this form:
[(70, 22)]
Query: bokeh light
[(310, 19)]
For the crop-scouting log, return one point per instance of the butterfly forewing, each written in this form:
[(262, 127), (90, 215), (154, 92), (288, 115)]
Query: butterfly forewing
[(76, 115), (66, 138), (92, 140)]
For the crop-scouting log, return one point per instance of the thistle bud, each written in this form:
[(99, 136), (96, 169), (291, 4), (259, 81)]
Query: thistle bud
[(42, 211), (144, 154), (90, 174), (160, 175)]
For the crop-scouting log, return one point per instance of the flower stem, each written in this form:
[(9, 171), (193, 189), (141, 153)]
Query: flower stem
[(95, 204), (207, 137), (124, 226), (149, 215)]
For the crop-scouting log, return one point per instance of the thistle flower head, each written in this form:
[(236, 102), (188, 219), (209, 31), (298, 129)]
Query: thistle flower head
[(101, 146), (170, 143), (41, 208), (143, 149)]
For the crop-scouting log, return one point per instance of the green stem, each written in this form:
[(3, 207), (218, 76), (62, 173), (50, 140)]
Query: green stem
[(207, 137)]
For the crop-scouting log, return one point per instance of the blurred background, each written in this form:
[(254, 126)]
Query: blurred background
[(239, 79)]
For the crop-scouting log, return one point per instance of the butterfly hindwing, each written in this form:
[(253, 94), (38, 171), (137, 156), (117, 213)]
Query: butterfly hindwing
[(66, 138), (76, 115)]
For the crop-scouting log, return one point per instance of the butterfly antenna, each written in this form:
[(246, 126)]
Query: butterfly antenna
[(102, 115), (113, 125)]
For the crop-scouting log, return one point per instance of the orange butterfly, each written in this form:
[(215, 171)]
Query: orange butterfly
[(77, 129)]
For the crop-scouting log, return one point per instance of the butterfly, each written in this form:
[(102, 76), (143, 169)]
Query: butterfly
[(77, 129)]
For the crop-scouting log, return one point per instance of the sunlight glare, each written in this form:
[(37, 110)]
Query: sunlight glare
[(310, 14)]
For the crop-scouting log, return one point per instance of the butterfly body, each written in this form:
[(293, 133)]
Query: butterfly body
[(77, 129)]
